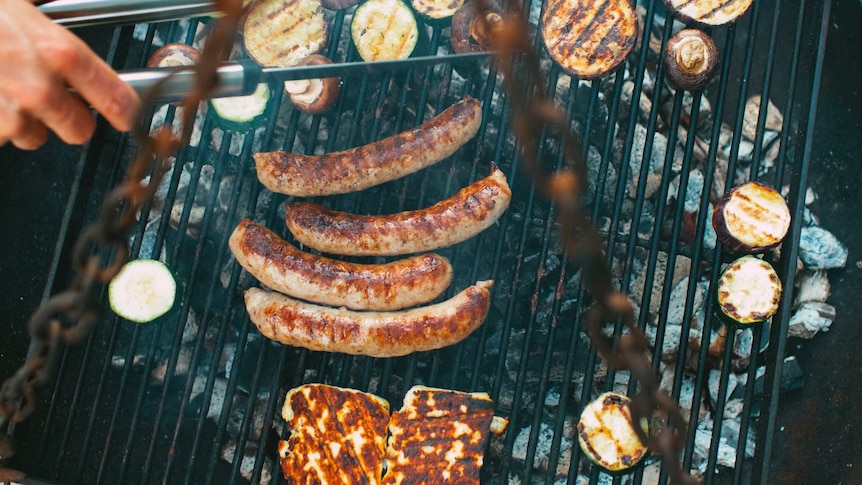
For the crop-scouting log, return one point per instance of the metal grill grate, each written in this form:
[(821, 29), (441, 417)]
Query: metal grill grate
[(197, 397)]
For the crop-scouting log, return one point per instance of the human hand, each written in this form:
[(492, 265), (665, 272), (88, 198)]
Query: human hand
[(39, 61)]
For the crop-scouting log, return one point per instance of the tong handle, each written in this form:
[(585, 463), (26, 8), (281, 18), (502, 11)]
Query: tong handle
[(84, 13), (235, 79)]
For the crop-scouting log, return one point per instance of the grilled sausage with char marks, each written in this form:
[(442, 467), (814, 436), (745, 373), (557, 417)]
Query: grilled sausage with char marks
[(456, 219), (373, 164), (284, 268), (376, 334)]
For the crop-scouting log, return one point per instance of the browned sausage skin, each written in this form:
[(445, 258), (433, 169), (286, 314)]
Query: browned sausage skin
[(284, 268), (373, 164), (456, 219), (376, 334)]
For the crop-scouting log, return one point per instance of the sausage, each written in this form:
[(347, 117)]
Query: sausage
[(456, 219), (376, 334), (373, 164), (284, 268)]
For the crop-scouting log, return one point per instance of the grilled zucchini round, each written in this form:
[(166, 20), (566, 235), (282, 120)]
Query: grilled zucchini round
[(607, 435), (748, 293), (384, 30)]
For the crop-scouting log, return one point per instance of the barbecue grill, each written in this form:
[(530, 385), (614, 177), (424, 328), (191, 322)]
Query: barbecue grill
[(197, 398)]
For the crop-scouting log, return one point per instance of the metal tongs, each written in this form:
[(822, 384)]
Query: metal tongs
[(85, 13), (235, 78)]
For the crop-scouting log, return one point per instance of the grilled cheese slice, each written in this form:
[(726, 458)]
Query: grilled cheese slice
[(439, 436), (337, 436)]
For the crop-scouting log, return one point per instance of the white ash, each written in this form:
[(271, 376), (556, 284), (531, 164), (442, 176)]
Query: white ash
[(657, 155), (811, 317), (820, 249), (693, 192), (732, 381), (734, 408), (774, 118), (727, 444), (686, 389), (709, 237), (552, 398), (681, 269), (742, 349), (812, 286), (595, 174), (247, 462), (678, 298)]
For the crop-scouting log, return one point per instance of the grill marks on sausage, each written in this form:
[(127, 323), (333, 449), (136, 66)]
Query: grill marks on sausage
[(375, 163), (284, 268), (376, 334), (458, 218)]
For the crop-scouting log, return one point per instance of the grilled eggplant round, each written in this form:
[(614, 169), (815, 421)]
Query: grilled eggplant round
[(748, 293), (607, 435), (691, 59), (589, 38), (708, 12), (281, 34), (752, 218)]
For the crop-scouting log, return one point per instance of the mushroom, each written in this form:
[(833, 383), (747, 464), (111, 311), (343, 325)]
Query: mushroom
[(314, 96), (173, 55), (691, 59), (472, 32)]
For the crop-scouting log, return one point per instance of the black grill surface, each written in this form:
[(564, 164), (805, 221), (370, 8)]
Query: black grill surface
[(197, 397)]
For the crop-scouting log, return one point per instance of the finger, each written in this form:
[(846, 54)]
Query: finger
[(63, 113), (94, 80), (33, 135)]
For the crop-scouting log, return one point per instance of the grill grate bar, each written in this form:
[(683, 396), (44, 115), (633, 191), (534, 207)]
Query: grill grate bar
[(532, 315), (775, 353)]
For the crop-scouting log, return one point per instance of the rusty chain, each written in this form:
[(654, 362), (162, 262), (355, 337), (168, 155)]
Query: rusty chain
[(532, 113), (102, 248)]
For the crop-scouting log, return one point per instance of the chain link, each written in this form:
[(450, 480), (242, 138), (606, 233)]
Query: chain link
[(533, 112), (102, 248)]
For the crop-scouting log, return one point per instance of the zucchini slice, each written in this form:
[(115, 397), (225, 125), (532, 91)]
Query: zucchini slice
[(142, 291), (384, 30), (607, 435), (751, 218), (241, 113), (748, 292)]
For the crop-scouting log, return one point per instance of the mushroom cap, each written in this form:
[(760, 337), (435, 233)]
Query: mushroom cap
[(691, 59), (314, 96)]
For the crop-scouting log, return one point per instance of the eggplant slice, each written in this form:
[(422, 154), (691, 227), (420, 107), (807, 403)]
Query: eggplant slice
[(279, 33), (708, 12), (751, 218), (749, 291), (589, 38)]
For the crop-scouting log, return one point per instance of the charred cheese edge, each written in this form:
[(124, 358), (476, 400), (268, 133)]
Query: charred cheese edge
[(606, 433), (336, 435), (589, 38), (708, 12), (751, 218), (439, 436), (282, 33), (749, 291)]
